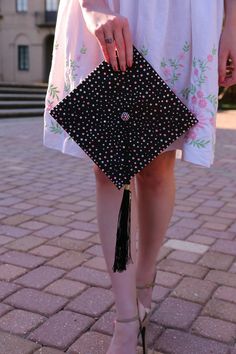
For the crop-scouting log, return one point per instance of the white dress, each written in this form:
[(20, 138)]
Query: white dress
[(179, 38)]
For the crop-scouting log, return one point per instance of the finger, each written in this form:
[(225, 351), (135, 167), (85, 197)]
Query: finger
[(223, 55), (120, 45), (108, 33), (101, 40), (128, 43), (230, 81)]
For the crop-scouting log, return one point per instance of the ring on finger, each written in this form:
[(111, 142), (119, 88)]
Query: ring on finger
[(109, 40)]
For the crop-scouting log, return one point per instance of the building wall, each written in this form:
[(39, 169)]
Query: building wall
[(20, 28)]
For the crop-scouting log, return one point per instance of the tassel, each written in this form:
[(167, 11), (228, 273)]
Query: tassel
[(123, 242)]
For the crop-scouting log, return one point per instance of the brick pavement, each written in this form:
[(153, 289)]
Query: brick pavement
[(54, 289)]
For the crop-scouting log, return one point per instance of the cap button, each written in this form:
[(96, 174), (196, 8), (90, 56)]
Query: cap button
[(125, 116)]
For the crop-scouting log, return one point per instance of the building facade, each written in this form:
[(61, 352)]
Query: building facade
[(26, 39)]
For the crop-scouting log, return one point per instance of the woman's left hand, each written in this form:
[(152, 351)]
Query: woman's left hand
[(227, 50)]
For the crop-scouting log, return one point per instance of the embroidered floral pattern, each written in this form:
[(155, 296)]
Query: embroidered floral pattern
[(71, 70), (200, 103), (171, 68), (143, 50)]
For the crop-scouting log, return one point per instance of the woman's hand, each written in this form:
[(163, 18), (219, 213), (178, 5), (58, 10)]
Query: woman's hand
[(227, 49), (112, 32)]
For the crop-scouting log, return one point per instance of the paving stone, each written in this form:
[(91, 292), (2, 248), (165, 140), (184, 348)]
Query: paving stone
[(51, 231), (36, 301), (189, 223), (225, 246), (87, 303), (78, 234), (179, 232), (90, 342), (33, 225), (221, 277), (216, 260), (214, 203), (16, 219), (10, 201), (66, 288), (5, 239), (201, 239), (196, 290), (7, 288), (225, 293), (12, 344), (186, 246), (105, 323), (69, 243), (215, 329), (4, 309), (163, 253), (215, 226), (96, 263), (95, 250), (185, 256), (85, 226), (39, 277), (159, 293), (90, 276), (216, 220), (167, 279), (220, 309), (61, 329), (179, 342), (68, 260), (63, 213), (176, 313), (21, 259), (3, 250), (46, 251), (25, 243), (233, 268), (48, 350), (95, 239), (223, 235), (9, 210), (85, 215), (52, 219), (13, 231), (206, 210), (10, 272), (36, 211), (182, 268), (20, 321)]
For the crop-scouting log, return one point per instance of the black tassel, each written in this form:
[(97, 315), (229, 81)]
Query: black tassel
[(123, 242)]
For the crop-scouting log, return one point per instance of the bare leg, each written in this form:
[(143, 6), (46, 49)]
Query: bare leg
[(156, 196), (108, 199)]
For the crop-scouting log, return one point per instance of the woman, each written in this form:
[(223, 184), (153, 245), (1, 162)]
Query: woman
[(184, 42)]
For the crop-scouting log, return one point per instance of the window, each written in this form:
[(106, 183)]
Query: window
[(51, 5), (21, 5), (23, 57)]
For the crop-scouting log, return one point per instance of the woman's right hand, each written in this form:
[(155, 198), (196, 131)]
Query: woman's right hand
[(104, 24)]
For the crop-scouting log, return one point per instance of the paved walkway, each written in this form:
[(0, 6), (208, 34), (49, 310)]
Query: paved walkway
[(54, 290)]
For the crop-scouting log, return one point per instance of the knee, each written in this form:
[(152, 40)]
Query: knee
[(157, 175)]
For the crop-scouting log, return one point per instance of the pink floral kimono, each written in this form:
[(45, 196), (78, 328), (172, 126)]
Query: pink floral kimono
[(179, 38)]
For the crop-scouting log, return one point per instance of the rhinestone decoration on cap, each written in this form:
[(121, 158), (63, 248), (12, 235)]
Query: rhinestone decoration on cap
[(125, 116), (95, 115)]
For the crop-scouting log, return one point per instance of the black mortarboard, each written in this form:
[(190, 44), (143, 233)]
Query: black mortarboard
[(123, 120)]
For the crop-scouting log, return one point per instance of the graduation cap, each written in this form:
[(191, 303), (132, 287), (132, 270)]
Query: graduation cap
[(123, 120)]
